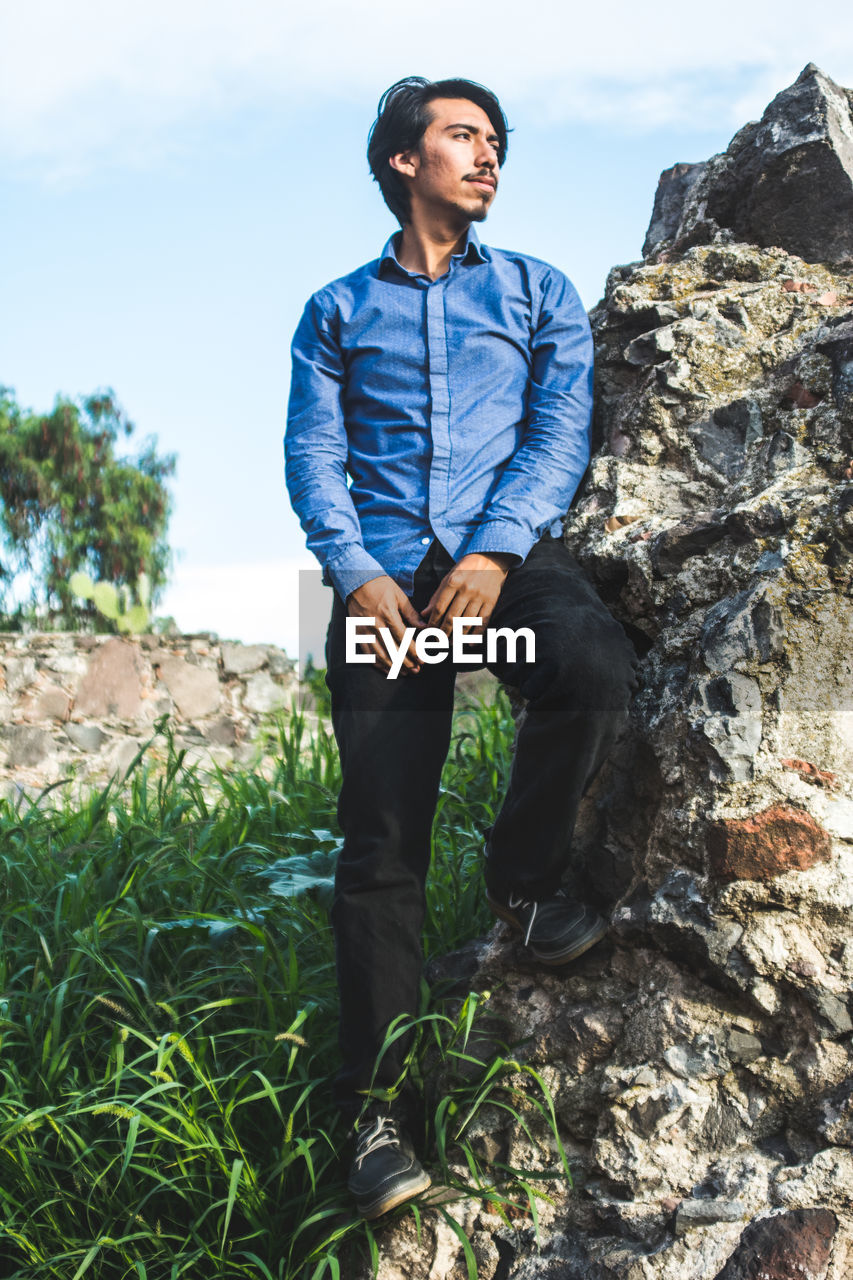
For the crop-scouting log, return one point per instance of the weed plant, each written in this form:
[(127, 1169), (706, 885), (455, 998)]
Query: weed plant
[(168, 1018)]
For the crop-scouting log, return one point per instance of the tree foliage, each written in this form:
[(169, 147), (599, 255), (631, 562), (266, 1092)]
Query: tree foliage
[(69, 504)]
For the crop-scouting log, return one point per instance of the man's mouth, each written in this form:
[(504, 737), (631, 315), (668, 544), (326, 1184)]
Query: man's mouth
[(483, 180)]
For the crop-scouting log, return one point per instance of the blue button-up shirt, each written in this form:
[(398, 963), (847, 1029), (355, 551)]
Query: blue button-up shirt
[(458, 408)]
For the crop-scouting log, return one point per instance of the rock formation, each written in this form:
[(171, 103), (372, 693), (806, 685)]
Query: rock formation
[(701, 1060), (785, 181)]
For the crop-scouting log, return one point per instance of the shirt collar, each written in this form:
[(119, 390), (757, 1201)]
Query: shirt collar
[(472, 251)]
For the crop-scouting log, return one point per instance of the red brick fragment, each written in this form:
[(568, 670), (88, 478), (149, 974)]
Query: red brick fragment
[(811, 773), (799, 396), (799, 286), (784, 1246), (767, 844)]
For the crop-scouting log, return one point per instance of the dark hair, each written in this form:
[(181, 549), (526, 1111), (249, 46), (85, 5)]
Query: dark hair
[(401, 120)]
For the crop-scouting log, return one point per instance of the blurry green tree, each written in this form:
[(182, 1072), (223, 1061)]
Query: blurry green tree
[(69, 504)]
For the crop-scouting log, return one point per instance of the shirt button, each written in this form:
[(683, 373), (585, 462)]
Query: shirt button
[(425, 541)]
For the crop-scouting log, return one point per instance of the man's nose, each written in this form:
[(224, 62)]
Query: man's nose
[(486, 158)]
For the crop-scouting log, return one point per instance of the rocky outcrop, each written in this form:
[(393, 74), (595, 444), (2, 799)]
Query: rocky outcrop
[(787, 180), (80, 707), (700, 1060)]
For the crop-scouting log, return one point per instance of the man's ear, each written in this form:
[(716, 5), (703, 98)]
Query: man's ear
[(405, 162)]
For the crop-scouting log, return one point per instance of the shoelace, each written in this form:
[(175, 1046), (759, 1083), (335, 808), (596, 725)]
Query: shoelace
[(382, 1133), (515, 902), (524, 902)]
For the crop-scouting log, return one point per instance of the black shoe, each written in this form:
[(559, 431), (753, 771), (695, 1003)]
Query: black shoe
[(555, 929), (385, 1171)]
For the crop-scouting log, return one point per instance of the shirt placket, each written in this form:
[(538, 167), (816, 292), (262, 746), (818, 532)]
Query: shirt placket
[(439, 389)]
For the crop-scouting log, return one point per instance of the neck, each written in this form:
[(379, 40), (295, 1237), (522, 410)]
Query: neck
[(427, 244)]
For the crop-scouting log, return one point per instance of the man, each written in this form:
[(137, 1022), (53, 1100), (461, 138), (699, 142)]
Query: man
[(452, 384)]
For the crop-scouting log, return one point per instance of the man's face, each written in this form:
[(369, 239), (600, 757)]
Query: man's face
[(456, 165)]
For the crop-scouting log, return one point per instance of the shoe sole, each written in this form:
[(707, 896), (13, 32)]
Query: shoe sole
[(376, 1208), (593, 934)]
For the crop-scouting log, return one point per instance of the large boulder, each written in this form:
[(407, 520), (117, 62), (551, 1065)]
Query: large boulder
[(787, 180), (700, 1059)]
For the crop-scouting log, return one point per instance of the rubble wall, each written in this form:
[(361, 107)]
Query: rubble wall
[(80, 707)]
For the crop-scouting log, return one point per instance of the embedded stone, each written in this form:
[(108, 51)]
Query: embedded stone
[(278, 662), (724, 438), (19, 673), (263, 694), (759, 521), (743, 1046), (121, 755), (223, 732), (53, 704), (687, 538), (743, 627), (836, 1123), (652, 347), (44, 702), (88, 737), (67, 663), (768, 844), (838, 345), (111, 689), (28, 746), (730, 720), (647, 1111), (240, 659), (834, 1011), (701, 1212), (195, 690), (784, 1246)]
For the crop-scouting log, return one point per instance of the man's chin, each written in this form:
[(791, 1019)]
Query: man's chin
[(474, 212)]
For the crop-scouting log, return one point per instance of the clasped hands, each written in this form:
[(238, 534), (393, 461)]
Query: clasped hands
[(469, 590)]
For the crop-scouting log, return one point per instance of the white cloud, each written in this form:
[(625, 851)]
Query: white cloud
[(97, 78)]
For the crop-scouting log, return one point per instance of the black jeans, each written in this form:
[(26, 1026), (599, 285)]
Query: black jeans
[(393, 736)]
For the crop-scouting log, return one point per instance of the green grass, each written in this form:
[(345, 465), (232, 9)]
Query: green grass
[(168, 1018)]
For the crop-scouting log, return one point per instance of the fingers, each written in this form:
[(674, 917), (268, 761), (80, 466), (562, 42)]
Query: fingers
[(463, 594), (410, 613), (395, 627), (466, 592), (438, 610)]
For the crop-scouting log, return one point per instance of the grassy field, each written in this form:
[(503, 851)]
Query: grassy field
[(168, 1020)]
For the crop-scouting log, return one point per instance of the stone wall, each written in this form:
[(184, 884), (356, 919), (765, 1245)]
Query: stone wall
[(80, 707)]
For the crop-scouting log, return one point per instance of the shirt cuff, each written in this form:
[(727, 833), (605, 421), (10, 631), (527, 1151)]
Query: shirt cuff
[(351, 569), (496, 536)]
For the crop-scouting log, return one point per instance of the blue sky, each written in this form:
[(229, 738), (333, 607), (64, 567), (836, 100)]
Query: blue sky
[(176, 178)]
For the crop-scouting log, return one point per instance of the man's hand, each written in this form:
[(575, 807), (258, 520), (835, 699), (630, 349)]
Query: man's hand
[(382, 599), (469, 590)]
